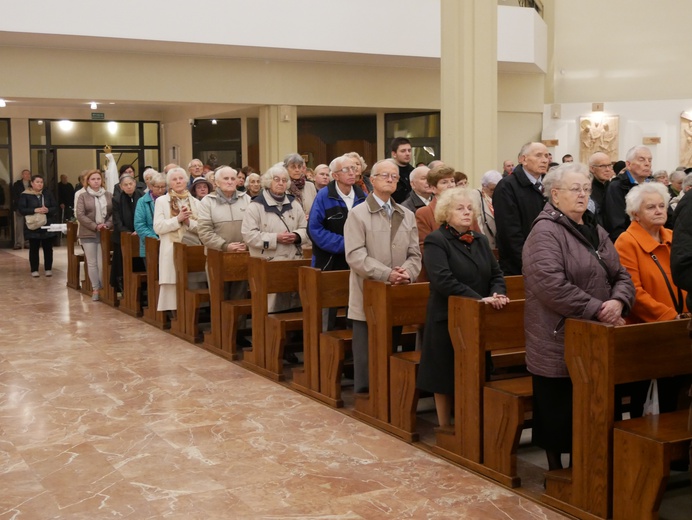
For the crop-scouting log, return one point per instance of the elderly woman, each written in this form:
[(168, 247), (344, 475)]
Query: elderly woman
[(362, 181), (484, 198), (274, 227), (37, 201), (321, 176), (124, 204), (253, 185), (571, 270), (201, 187), (459, 262), (94, 212), (302, 190), (175, 220), (144, 211), (644, 250)]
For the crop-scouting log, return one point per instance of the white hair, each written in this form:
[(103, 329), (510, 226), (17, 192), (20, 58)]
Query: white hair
[(177, 169), (491, 177), (635, 197)]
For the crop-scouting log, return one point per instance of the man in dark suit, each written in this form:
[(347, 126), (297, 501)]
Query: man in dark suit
[(421, 192), (601, 167), (517, 201)]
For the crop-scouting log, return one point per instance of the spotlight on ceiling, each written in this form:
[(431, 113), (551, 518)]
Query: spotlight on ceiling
[(213, 121)]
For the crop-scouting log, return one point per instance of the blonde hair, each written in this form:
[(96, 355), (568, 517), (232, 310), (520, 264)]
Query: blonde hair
[(449, 198)]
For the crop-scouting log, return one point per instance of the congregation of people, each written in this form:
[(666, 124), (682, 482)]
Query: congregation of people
[(591, 241)]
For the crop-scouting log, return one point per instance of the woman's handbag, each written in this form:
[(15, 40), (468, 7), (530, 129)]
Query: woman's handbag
[(35, 221)]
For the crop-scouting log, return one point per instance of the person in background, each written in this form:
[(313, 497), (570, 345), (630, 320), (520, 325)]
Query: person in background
[(65, 199), (571, 270), (675, 183), (662, 177), (201, 187), (362, 180), (686, 186), (144, 211), (253, 186), (240, 181), (401, 151), (644, 250), (567, 158), (322, 178), (601, 168), (461, 179), (94, 212), (484, 199), (37, 200), (421, 192), (507, 167), (459, 262), (175, 220), (124, 204), (195, 169), (19, 187), (304, 192)]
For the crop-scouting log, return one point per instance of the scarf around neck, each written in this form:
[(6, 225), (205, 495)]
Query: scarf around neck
[(100, 204), (178, 200)]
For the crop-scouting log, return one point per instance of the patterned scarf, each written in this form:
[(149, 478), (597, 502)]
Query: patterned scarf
[(466, 237), (178, 200), (296, 189)]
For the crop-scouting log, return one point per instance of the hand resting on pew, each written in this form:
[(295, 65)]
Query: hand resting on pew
[(497, 301)]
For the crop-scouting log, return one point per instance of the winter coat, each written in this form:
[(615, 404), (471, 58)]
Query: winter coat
[(264, 220), (374, 245), (653, 301), (681, 252), (144, 221), (28, 202), (219, 223), (326, 227), (563, 279), (124, 207), (171, 231), (86, 214)]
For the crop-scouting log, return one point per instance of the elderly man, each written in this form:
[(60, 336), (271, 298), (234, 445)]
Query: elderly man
[(196, 169), (517, 201), (321, 176), (637, 170), (381, 243), (507, 167), (17, 189), (421, 192), (601, 168)]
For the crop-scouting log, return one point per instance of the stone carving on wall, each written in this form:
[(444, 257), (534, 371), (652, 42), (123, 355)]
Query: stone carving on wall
[(598, 135), (685, 141)]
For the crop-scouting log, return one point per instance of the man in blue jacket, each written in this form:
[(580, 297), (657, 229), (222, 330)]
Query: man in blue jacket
[(327, 218)]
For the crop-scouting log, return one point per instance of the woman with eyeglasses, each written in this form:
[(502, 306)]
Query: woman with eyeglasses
[(571, 270), (274, 227)]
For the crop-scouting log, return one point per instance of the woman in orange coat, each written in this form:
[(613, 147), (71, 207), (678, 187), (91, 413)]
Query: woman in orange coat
[(644, 250)]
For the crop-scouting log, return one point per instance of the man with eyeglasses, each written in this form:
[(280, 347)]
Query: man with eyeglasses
[(601, 168), (381, 243), (517, 201)]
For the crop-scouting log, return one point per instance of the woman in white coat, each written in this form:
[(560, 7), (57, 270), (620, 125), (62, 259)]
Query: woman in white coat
[(175, 220)]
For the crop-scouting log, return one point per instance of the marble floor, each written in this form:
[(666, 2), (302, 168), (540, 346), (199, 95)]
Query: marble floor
[(103, 416)]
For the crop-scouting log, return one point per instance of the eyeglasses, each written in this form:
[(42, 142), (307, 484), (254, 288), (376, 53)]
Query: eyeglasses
[(346, 169), (392, 176), (576, 190), (606, 166), (159, 187), (280, 179)]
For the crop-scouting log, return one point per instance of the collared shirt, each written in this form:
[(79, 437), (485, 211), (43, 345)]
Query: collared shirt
[(425, 201), (531, 178), (348, 199), (632, 180), (380, 201)]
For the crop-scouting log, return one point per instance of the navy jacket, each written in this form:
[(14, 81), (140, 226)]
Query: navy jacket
[(326, 227)]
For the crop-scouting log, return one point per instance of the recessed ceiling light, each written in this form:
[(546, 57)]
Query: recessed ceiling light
[(213, 121)]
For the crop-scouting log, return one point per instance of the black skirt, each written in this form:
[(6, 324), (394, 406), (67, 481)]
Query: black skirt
[(436, 371), (552, 413)]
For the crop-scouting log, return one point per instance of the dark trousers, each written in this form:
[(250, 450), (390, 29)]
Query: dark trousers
[(47, 245), (116, 280)]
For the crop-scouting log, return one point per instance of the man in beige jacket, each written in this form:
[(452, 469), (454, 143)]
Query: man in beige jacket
[(381, 243)]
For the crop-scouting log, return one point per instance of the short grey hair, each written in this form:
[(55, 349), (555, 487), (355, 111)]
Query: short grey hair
[(277, 169), (634, 198), (632, 152), (687, 182), (147, 175), (249, 177), (554, 177), (660, 173), (420, 170), (336, 163), (193, 161), (177, 169), (293, 158), (491, 177), (158, 178), (376, 166), (220, 169), (677, 174)]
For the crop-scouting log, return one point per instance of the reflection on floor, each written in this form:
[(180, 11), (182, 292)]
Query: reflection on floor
[(103, 416)]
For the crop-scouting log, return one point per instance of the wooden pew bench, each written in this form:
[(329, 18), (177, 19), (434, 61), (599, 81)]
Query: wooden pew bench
[(151, 315), (75, 257), (108, 293), (134, 279), (388, 306), (323, 352), (269, 331), (599, 357), (489, 415), (188, 260), (222, 268)]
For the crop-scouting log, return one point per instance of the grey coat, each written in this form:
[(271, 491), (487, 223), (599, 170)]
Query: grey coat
[(564, 279)]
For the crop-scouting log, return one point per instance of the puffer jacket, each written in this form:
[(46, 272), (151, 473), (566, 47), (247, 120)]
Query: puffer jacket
[(564, 279)]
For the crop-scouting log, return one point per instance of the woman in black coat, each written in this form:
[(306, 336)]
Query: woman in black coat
[(459, 262), (124, 204), (36, 200)]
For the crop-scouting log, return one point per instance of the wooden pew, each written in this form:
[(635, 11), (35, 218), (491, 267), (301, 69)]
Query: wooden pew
[(321, 289), (133, 281), (225, 267), (108, 292), (476, 328), (387, 306), (269, 330), (515, 287), (188, 260), (151, 315), (599, 357), (75, 257)]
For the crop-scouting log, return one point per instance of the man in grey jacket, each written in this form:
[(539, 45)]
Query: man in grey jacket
[(381, 243)]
